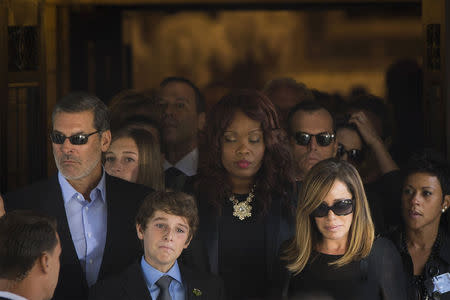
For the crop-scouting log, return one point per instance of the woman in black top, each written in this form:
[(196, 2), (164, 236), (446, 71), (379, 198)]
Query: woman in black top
[(244, 188), (423, 240), (333, 251)]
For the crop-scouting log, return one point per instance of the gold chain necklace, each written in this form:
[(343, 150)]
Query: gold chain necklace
[(243, 210)]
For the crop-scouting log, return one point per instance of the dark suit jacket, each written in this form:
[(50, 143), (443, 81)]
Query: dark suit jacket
[(121, 248), (130, 285)]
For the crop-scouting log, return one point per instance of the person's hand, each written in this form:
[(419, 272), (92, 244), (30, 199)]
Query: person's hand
[(365, 128), (385, 162)]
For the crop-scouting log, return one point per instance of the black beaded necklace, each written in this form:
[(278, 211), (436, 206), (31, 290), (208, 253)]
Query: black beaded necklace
[(419, 280)]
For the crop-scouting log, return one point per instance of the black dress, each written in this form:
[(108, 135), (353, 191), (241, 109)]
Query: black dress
[(378, 276), (419, 287), (242, 262)]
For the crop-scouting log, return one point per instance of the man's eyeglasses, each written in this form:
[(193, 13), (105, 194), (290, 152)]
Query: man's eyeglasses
[(340, 208), (323, 139), (76, 139), (354, 155)]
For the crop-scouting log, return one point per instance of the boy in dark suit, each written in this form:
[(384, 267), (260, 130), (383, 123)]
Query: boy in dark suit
[(165, 224)]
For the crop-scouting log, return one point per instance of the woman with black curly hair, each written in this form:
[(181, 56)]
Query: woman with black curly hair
[(423, 240), (245, 188)]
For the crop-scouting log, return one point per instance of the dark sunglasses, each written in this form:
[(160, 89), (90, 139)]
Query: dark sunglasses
[(76, 139), (340, 208), (323, 139), (355, 155)]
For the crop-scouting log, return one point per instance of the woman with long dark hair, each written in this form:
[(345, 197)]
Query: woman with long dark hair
[(245, 191)]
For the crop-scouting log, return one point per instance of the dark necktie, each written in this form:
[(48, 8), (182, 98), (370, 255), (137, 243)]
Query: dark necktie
[(174, 179), (163, 284)]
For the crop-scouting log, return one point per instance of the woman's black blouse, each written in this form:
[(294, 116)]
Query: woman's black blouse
[(378, 276), (420, 287), (242, 253)]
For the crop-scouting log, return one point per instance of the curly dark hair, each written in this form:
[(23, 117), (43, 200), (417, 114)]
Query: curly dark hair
[(276, 175)]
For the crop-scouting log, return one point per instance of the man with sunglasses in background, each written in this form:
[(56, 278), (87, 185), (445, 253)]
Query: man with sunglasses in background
[(312, 135), (95, 212)]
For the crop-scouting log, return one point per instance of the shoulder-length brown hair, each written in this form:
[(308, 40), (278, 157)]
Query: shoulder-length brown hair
[(276, 175), (150, 160), (316, 186)]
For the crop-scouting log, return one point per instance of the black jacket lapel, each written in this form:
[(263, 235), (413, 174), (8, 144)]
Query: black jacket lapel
[(444, 252), (279, 228), (209, 231), (107, 254), (54, 205), (272, 228), (134, 284), (191, 283)]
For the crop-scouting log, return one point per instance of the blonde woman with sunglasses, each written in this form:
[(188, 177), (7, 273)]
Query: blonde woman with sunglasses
[(334, 250)]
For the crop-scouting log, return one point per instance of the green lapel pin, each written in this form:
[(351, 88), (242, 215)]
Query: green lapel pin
[(197, 292)]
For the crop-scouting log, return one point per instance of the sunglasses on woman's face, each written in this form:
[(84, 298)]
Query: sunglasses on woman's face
[(323, 139), (340, 208), (354, 155)]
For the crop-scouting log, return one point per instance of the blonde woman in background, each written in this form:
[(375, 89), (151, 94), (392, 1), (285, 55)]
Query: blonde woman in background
[(334, 250), (135, 155)]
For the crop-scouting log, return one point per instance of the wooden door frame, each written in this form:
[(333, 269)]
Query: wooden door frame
[(3, 94), (446, 58)]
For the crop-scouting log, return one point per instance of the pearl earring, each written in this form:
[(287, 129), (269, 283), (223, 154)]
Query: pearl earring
[(443, 210)]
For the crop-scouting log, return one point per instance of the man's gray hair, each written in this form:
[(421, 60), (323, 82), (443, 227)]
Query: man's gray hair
[(79, 102)]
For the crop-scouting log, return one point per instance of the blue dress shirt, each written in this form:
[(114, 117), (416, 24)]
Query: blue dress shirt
[(87, 224), (152, 275)]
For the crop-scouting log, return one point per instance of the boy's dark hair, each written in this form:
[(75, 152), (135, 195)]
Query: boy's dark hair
[(308, 106), (199, 99), (24, 237), (174, 203), (431, 162)]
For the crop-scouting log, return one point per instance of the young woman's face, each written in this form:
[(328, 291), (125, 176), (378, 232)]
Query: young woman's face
[(334, 227), (422, 201), (350, 146), (122, 159), (243, 147)]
